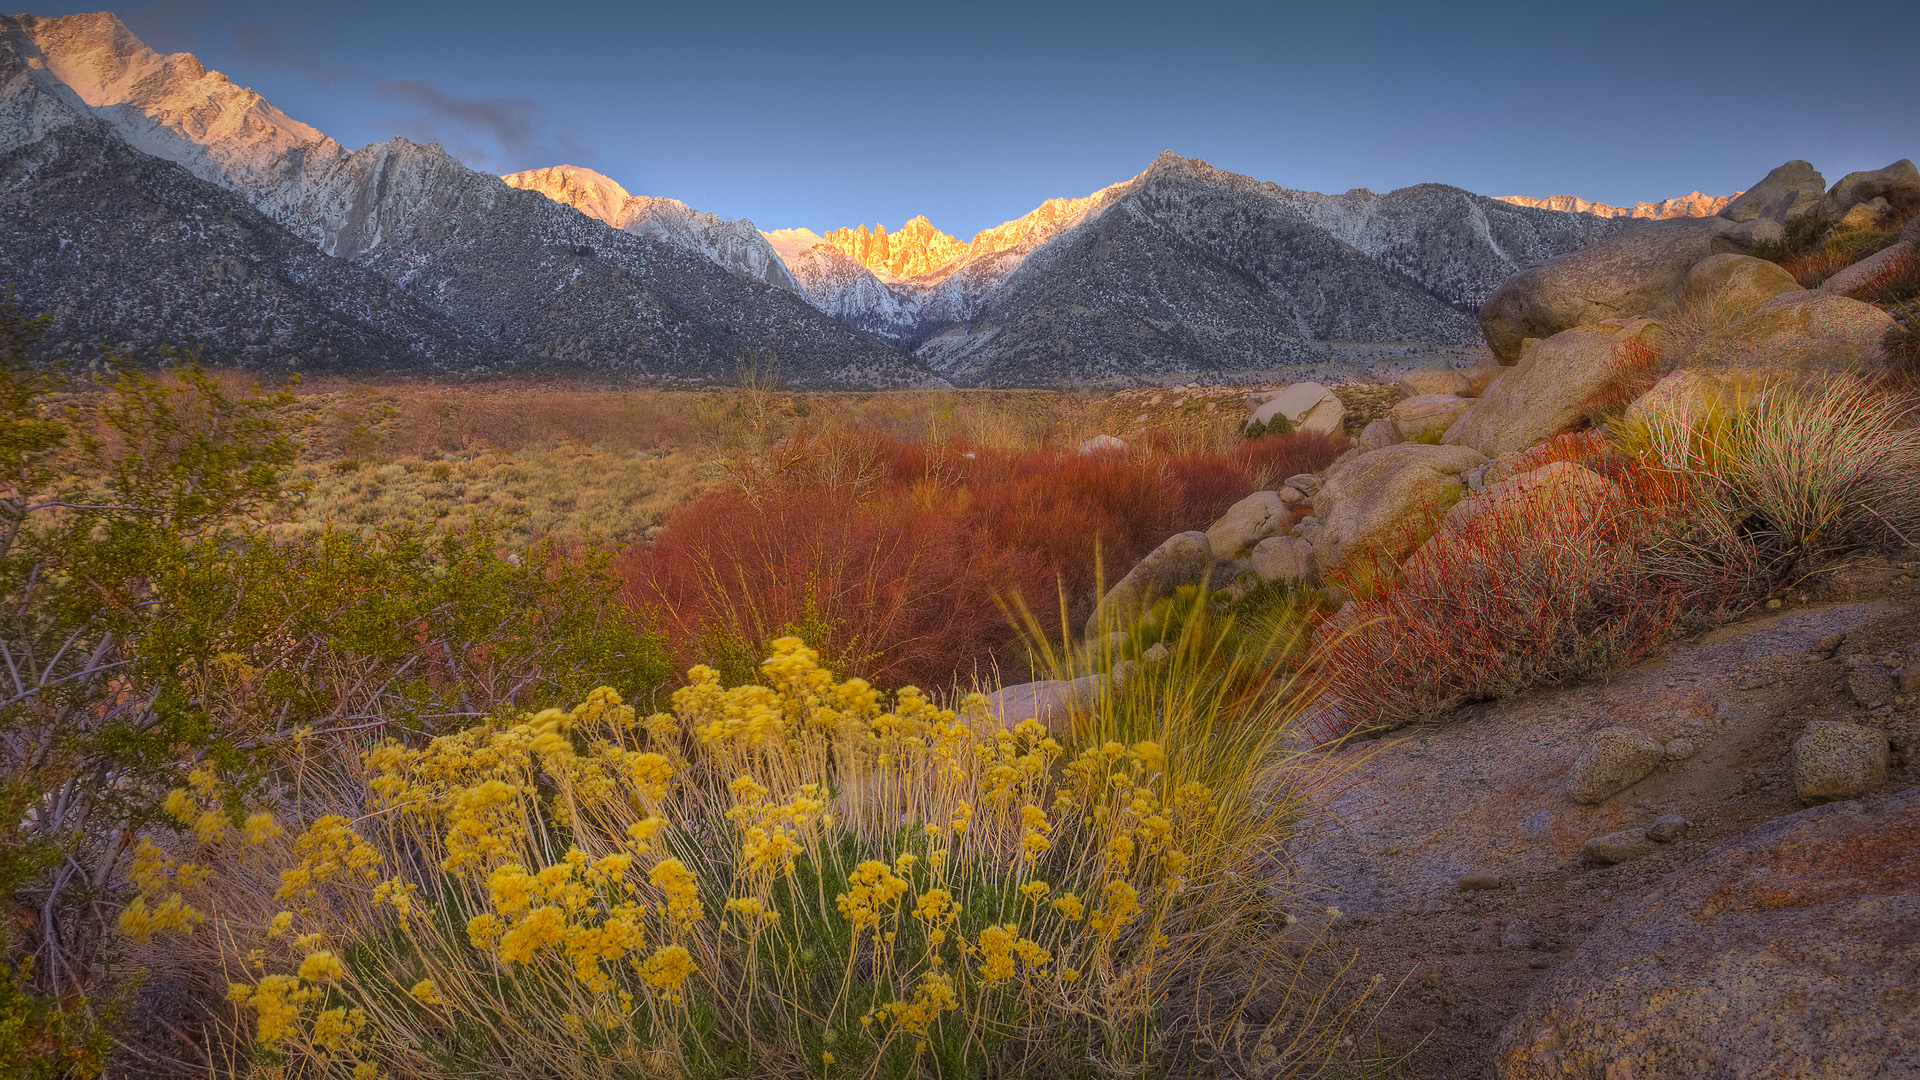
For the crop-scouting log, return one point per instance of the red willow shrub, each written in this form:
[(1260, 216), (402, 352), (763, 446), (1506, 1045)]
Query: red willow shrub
[(1559, 581), (902, 554)]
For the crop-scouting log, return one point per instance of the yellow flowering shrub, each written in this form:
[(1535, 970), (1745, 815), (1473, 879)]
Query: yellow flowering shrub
[(784, 877)]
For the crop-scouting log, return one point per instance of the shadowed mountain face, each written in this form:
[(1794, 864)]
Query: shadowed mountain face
[(132, 251), (150, 199)]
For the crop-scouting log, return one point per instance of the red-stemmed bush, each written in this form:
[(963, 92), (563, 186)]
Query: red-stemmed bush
[(904, 556), (1558, 579)]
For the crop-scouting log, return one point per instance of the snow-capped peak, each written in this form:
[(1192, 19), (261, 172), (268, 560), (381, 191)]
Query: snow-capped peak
[(789, 243), (589, 192), (169, 106)]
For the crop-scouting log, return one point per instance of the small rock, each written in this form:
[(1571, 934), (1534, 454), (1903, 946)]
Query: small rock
[(1307, 483), (1246, 523), (1379, 433), (1480, 882), (1773, 604), (1104, 444), (1435, 380), (1292, 496), (1284, 558), (1907, 680), (1617, 758), (1517, 935), (1679, 749), (1667, 828), (1838, 761), (1830, 643), (1157, 652), (1616, 847), (1870, 687)]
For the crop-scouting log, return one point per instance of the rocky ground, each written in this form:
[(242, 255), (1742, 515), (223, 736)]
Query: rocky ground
[(1459, 870)]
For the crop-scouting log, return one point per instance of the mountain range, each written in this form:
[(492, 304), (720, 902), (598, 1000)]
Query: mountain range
[(145, 199)]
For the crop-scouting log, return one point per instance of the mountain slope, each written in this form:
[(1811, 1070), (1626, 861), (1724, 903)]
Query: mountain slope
[(736, 245), (82, 216), (551, 287)]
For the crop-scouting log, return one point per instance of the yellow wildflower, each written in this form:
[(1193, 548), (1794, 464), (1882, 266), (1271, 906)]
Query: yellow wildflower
[(872, 887), (1120, 902), (542, 928), (1035, 891), (261, 828), (334, 1030), (932, 997), (1070, 906), (667, 970), (483, 931), (321, 966), (277, 1000), (681, 889), (425, 992)]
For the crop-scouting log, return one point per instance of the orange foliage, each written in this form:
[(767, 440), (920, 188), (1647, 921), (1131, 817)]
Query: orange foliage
[(1531, 590)]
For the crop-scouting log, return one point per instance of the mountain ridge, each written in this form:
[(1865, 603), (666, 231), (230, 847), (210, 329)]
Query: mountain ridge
[(535, 279), (1182, 267)]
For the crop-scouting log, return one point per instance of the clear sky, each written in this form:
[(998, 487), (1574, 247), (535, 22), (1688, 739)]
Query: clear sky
[(830, 114)]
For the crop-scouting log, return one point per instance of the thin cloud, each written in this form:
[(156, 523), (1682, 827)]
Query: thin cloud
[(494, 133), (518, 129), (262, 42), (170, 25)]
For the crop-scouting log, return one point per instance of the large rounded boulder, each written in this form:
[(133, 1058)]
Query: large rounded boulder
[(1181, 559), (1735, 283), (1387, 500), (1637, 273), (1788, 952), (1898, 182), (1552, 389), (1788, 192), (1807, 331)]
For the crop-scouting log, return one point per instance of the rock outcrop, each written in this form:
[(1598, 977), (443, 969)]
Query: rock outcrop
[(1801, 331), (1639, 273), (1182, 559), (1788, 952), (1551, 389), (1898, 182), (1784, 194), (1307, 406), (1735, 283), (1381, 502)]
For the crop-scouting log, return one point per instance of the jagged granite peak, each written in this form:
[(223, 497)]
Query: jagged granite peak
[(736, 245), (544, 285), (917, 249), (1185, 267), (1691, 205)]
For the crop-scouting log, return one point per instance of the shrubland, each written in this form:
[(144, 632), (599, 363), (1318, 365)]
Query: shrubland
[(1673, 519), (384, 799), (322, 760)]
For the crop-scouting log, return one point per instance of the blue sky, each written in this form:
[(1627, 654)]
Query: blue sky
[(833, 114)]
